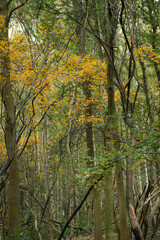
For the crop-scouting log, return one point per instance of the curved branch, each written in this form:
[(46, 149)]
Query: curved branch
[(130, 47), (13, 9), (9, 2)]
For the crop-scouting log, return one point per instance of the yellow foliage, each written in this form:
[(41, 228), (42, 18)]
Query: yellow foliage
[(147, 53), (3, 152), (76, 71), (40, 174), (30, 143), (28, 71), (81, 69), (2, 21)]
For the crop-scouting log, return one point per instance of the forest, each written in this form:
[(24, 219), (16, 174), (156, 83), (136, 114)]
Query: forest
[(80, 119)]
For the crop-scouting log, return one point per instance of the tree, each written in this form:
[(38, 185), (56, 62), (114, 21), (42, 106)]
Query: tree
[(10, 125)]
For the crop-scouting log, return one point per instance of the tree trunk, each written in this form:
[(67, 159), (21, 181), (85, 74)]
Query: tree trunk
[(90, 163), (122, 205), (10, 125), (109, 205), (111, 31), (45, 164), (70, 160), (50, 167), (145, 87)]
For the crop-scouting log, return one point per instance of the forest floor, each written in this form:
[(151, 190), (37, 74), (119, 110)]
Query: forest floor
[(84, 238), (81, 238), (156, 237)]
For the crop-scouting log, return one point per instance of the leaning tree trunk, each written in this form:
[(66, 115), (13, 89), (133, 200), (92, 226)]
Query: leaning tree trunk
[(10, 125)]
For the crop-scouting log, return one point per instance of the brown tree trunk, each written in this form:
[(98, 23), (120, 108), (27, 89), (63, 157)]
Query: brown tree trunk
[(10, 125), (111, 31), (90, 163)]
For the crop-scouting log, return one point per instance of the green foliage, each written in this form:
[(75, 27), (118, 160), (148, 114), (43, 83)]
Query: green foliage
[(92, 175)]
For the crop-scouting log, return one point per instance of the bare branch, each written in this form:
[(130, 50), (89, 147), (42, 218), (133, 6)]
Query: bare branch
[(9, 2), (13, 9), (135, 225), (130, 46)]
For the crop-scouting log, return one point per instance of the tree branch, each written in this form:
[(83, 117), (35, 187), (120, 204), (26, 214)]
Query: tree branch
[(9, 2), (13, 9)]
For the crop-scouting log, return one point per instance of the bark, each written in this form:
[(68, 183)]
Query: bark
[(3, 216), (111, 31), (129, 181), (10, 127), (80, 29), (109, 205), (122, 205), (90, 163)]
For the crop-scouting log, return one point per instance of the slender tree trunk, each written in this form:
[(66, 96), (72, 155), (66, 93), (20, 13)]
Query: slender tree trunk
[(123, 228), (90, 163), (129, 180), (10, 125), (97, 29), (111, 31), (50, 167), (70, 160), (46, 180), (109, 205), (145, 87), (122, 205), (154, 35), (108, 147)]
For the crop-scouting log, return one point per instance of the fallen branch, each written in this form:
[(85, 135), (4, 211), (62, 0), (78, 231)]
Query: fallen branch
[(134, 223)]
